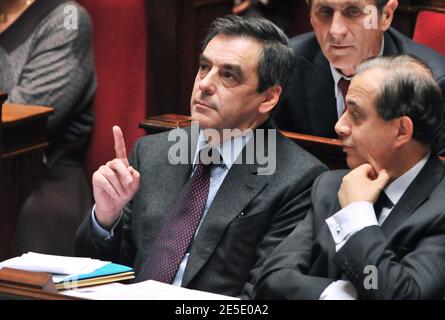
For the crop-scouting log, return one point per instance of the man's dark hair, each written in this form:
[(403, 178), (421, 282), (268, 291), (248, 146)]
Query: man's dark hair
[(277, 58), (378, 3), (409, 89)]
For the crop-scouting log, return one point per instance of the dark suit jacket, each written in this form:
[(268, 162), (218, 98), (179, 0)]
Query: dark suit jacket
[(250, 215), (408, 249), (310, 106)]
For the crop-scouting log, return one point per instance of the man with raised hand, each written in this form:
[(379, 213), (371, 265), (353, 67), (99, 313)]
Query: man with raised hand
[(378, 230), (200, 224)]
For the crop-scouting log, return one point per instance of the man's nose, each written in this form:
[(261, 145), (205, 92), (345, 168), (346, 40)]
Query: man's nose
[(338, 27), (207, 83), (342, 127)]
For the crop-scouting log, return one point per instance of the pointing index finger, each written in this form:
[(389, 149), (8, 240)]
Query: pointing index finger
[(119, 145)]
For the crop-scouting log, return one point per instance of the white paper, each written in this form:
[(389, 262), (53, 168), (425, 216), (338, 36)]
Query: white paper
[(147, 290), (38, 262)]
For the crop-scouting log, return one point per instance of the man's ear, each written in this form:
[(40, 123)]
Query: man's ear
[(270, 99), (405, 130), (388, 14)]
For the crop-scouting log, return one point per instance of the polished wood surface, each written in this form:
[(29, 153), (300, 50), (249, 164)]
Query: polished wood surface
[(16, 113), (12, 292), (327, 150), (27, 279), (19, 284), (19, 123), (23, 142)]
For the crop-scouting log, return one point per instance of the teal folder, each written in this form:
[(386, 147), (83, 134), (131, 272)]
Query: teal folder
[(107, 270)]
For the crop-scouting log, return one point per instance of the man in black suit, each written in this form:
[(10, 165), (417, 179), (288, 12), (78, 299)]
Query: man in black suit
[(345, 34), (346, 248), (248, 205)]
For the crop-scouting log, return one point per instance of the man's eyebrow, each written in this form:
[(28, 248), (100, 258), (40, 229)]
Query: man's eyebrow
[(236, 69), (203, 58), (351, 103), (345, 4)]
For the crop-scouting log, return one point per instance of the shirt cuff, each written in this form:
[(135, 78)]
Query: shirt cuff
[(339, 290), (97, 228), (350, 220)]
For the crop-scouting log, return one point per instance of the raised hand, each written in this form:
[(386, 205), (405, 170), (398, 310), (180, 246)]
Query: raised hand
[(114, 184), (362, 184)]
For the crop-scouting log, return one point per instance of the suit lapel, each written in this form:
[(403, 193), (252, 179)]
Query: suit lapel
[(240, 186), (417, 193), (322, 108), (390, 46)]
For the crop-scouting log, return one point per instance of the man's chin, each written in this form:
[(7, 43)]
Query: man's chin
[(353, 162), (342, 62), (203, 121)]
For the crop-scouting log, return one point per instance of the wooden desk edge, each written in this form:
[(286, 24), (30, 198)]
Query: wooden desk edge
[(13, 113), (28, 293)]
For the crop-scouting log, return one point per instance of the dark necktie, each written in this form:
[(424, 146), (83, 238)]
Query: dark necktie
[(343, 85), (169, 248), (382, 202)]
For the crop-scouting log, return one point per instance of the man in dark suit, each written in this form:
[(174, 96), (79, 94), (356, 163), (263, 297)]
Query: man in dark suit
[(345, 34), (244, 208), (346, 248)]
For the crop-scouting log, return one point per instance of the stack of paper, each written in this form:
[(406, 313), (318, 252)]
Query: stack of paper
[(71, 272), (147, 290)]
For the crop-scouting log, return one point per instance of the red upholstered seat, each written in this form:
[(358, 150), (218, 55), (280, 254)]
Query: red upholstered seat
[(430, 30), (120, 49)]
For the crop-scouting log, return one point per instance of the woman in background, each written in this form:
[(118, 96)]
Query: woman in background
[(46, 59)]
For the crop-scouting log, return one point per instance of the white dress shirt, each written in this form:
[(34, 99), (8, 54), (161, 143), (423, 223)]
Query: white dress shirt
[(359, 215)]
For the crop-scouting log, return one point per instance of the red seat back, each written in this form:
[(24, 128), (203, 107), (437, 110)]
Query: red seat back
[(120, 49), (430, 30)]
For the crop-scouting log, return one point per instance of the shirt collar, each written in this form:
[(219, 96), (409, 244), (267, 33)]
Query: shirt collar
[(229, 149), (397, 188)]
